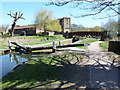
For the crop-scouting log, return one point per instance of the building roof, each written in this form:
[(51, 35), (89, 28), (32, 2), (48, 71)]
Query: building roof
[(66, 17), (25, 26)]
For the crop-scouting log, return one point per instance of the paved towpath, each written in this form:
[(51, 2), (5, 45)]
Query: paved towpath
[(98, 72), (103, 73)]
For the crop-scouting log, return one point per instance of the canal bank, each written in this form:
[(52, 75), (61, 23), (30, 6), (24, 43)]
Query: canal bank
[(60, 42), (50, 72), (11, 60), (15, 59)]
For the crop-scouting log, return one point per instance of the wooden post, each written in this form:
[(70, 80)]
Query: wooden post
[(59, 43), (54, 47)]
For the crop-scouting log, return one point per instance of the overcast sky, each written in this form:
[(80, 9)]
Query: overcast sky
[(31, 7)]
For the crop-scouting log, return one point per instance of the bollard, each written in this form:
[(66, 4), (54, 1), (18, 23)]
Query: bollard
[(54, 47), (59, 43), (86, 44)]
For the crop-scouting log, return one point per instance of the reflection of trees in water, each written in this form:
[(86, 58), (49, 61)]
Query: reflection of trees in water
[(17, 57)]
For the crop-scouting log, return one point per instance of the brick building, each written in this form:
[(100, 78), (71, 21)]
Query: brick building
[(65, 23), (25, 30), (30, 30)]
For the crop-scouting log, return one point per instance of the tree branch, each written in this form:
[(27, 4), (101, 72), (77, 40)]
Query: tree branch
[(10, 14), (97, 5), (60, 3), (107, 16), (115, 10), (91, 14)]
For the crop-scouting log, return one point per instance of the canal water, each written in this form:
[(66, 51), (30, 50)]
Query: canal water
[(9, 61)]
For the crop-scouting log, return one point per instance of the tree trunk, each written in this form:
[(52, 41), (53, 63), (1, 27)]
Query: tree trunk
[(12, 29)]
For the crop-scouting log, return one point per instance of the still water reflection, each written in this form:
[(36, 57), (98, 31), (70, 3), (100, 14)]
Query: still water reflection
[(10, 61)]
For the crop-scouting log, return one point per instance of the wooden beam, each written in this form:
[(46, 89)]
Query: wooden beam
[(62, 46), (26, 50), (40, 48), (17, 49), (20, 46)]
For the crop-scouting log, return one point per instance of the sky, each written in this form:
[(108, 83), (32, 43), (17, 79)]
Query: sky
[(31, 7)]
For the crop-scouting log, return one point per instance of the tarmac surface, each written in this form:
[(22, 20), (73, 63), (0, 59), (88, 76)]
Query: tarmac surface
[(99, 72)]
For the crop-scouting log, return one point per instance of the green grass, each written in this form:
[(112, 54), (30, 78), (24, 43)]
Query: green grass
[(41, 37), (3, 46), (4, 36), (40, 71), (51, 39), (90, 40), (104, 45)]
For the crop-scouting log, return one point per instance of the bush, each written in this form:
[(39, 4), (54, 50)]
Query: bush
[(39, 33), (104, 45), (81, 38), (5, 36)]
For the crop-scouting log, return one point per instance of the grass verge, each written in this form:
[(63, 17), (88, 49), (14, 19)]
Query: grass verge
[(3, 46), (47, 71), (41, 71), (41, 37), (90, 40), (104, 45), (31, 40)]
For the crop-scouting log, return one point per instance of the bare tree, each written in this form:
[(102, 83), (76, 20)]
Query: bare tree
[(95, 7), (15, 16), (4, 28)]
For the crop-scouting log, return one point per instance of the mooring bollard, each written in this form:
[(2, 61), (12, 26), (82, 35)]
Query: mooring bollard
[(86, 44), (59, 43), (54, 47)]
